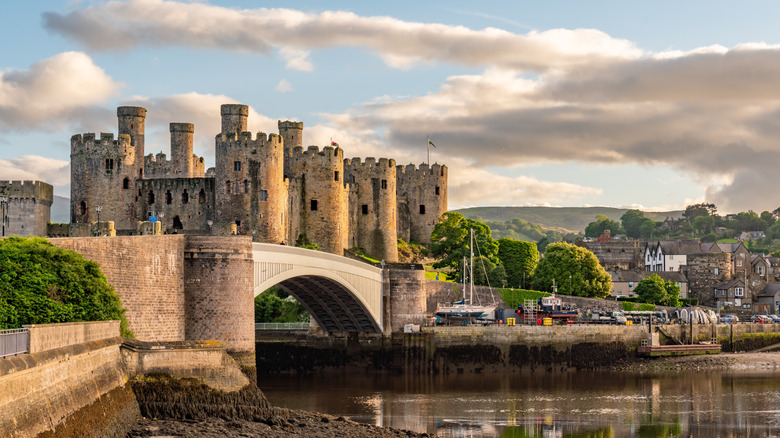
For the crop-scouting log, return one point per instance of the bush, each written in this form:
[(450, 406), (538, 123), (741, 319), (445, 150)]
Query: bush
[(627, 305), (43, 284), (515, 297), (645, 307)]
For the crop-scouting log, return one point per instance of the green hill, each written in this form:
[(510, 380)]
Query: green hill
[(561, 219)]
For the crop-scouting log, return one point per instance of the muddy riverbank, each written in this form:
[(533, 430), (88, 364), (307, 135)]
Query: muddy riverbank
[(712, 362)]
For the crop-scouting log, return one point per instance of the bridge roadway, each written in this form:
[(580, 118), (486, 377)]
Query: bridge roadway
[(341, 294)]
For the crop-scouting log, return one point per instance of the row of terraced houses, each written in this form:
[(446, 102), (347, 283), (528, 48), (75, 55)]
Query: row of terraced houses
[(725, 275)]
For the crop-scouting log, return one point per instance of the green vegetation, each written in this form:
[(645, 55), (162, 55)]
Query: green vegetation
[(601, 225), (409, 252), (519, 260), (561, 219), (574, 271), (515, 297), (303, 242), (359, 252), (42, 284), (276, 305), (450, 245), (655, 290)]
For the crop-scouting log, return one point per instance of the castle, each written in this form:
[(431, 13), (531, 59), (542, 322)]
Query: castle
[(268, 187)]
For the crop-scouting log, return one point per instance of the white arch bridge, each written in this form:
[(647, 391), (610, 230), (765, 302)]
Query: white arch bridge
[(341, 294)]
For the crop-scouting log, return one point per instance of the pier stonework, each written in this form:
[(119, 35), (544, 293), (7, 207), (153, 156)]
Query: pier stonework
[(219, 290), (266, 186)]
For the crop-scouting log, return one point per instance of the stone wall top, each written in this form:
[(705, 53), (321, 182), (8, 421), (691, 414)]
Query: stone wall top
[(44, 337)]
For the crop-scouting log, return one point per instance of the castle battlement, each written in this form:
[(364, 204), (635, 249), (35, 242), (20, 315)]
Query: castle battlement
[(88, 143), (287, 124), (412, 171), (313, 152), (244, 139), (370, 161), (27, 190)]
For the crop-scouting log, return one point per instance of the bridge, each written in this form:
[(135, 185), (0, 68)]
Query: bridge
[(341, 294)]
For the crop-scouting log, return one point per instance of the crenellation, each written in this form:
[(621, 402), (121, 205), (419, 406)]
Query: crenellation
[(268, 186)]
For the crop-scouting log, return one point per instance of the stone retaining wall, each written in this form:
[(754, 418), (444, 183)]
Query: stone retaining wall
[(45, 337)]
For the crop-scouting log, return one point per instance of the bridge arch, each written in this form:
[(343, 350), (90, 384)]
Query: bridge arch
[(341, 294)]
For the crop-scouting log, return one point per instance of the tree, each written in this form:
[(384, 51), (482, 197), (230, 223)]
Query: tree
[(601, 224), (576, 271), (276, 305), (696, 210), (704, 224), (450, 242), (631, 221), (488, 274), (651, 290), (655, 290), (42, 284), (519, 260), (647, 229)]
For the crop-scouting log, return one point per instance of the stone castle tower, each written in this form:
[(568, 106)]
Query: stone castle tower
[(266, 186)]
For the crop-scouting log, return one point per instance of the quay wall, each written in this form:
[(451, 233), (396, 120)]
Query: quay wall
[(41, 390)]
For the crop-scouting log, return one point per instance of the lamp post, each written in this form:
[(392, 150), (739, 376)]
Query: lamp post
[(210, 222), (99, 230), (4, 212)]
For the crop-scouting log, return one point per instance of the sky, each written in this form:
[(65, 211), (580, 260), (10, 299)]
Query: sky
[(649, 105)]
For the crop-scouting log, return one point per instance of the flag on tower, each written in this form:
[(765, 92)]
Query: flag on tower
[(333, 143), (431, 143)]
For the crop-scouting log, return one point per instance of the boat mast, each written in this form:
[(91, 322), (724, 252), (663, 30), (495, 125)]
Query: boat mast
[(471, 267)]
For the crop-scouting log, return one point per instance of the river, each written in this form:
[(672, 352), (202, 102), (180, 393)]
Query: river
[(584, 404)]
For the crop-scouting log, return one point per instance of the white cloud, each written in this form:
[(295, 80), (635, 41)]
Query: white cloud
[(33, 167), (284, 86), (123, 25), (296, 59), (56, 90)]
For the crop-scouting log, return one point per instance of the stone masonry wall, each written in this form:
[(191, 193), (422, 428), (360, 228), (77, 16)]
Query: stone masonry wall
[(422, 198), (404, 299), (45, 337), (372, 205), (147, 272), (29, 207), (702, 278), (219, 290)]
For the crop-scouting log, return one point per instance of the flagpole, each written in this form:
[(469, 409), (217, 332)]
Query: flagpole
[(428, 145)]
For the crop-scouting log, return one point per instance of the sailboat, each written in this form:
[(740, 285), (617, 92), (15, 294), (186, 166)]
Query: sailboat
[(459, 309)]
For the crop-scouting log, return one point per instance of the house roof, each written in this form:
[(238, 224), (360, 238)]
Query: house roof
[(770, 290), (616, 252), (680, 247), (637, 275), (729, 284)]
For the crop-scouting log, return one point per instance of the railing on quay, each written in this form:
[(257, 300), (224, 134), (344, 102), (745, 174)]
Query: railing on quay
[(14, 341), (281, 326)]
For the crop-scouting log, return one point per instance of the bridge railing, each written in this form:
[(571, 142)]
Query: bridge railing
[(281, 326), (14, 341)]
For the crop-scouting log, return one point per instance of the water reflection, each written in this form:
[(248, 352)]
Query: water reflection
[(545, 405)]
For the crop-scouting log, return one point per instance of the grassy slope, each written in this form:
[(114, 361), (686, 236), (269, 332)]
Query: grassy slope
[(569, 219)]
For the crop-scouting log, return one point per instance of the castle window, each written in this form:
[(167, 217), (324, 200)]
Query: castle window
[(185, 197), (228, 186), (239, 186), (442, 171), (422, 209), (364, 208), (384, 183), (263, 195), (83, 207), (168, 197), (151, 197), (246, 186), (202, 197), (716, 271), (352, 179), (336, 175), (126, 183), (109, 165), (313, 205), (141, 173), (437, 190), (237, 166)]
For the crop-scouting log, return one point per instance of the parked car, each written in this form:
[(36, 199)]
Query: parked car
[(761, 319), (774, 318), (729, 319)]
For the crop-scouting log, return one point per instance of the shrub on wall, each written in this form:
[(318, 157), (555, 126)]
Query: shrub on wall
[(41, 284)]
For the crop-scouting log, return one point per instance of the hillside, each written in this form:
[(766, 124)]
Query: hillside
[(562, 219), (60, 210)]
